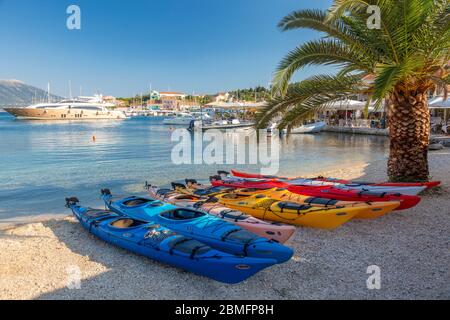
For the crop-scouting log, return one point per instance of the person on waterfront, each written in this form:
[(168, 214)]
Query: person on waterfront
[(383, 123)]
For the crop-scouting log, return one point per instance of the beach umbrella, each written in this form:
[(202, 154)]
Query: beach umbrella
[(440, 103)]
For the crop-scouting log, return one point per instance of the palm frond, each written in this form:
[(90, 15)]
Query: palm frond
[(319, 52), (305, 94), (388, 76), (411, 47)]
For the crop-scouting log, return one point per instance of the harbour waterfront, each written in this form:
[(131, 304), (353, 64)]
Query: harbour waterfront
[(42, 161)]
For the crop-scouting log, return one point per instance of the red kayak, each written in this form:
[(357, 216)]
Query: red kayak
[(406, 201), (429, 185)]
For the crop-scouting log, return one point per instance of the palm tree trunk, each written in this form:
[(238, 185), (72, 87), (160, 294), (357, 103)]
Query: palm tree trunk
[(409, 132)]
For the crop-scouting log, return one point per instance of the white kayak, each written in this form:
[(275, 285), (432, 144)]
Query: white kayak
[(409, 190)]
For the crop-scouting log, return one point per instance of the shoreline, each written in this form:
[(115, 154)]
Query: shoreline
[(411, 248)]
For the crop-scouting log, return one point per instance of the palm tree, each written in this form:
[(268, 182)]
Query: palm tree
[(407, 56)]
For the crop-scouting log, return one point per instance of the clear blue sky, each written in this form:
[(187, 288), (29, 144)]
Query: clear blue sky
[(204, 46)]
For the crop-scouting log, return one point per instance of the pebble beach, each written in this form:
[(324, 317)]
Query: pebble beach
[(410, 247)]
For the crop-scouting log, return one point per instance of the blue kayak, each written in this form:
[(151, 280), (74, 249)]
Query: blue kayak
[(164, 245), (199, 225)]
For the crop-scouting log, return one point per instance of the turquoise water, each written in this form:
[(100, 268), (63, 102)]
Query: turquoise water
[(42, 162)]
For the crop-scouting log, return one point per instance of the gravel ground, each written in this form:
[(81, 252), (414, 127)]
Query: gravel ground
[(410, 247)]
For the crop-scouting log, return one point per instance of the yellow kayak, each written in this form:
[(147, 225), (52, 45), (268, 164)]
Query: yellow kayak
[(264, 207), (367, 210)]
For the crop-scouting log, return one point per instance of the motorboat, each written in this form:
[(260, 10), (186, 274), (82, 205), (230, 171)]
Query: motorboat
[(70, 109), (184, 118)]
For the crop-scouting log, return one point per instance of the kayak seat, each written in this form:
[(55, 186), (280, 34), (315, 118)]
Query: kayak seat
[(293, 206), (126, 223), (136, 202), (182, 214), (321, 201)]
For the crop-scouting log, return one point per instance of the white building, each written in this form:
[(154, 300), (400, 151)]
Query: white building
[(222, 97), (173, 95)]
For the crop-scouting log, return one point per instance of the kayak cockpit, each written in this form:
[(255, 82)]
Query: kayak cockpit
[(292, 206), (321, 201), (126, 223), (211, 190), (135, 201), (233, 215), (182, 214)]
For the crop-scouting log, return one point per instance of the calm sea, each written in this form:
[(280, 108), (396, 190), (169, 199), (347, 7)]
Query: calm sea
[(42, 162)]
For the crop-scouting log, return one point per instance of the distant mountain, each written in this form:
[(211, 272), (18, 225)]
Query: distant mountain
[(14, 93)]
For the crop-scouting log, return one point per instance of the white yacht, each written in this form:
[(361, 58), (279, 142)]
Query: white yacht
[(314, 127), (88, 108)]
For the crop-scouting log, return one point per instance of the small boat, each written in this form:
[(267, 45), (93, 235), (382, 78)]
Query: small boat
[(199, 225), (428, 185), (406, 201), (180, 118), (184, 118), (164, 245), (270, 230), (198, 125)]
